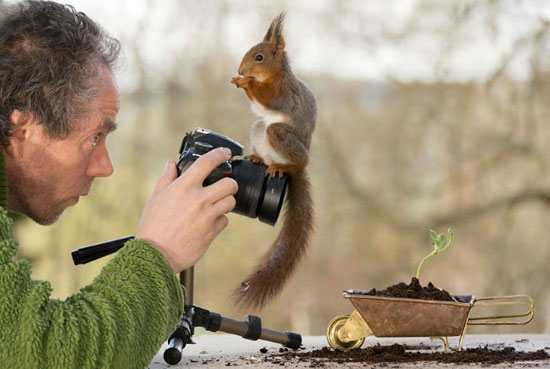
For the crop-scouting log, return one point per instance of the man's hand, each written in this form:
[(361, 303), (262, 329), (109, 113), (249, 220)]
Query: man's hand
[(182, 218)]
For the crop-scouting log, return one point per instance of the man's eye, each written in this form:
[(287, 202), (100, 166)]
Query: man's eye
[(95, 139)]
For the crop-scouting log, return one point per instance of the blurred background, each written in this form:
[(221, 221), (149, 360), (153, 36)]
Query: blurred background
[(432, 115)]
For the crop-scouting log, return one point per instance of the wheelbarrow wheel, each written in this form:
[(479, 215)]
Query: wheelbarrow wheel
[(332, 335)]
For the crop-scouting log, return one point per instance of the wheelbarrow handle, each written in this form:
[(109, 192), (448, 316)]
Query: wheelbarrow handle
[(511, 301)]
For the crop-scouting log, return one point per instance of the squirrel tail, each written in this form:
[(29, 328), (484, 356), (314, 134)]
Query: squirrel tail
[(279, 262)]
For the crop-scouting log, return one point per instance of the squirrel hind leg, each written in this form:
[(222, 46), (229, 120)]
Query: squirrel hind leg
[(284, 141), (280, 169)]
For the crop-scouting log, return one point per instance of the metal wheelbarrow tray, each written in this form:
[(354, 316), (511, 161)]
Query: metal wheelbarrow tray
[(405, 317)]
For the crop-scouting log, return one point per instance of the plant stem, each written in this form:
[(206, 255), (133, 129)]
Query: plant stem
[(422, 262)]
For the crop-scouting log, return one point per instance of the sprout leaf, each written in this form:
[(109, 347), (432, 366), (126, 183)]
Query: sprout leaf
[(440, 244)]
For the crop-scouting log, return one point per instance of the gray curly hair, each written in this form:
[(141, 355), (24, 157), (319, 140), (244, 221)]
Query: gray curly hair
[(49, 55)]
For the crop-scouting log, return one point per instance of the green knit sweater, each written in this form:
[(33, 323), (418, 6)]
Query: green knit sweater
[(118, 321)]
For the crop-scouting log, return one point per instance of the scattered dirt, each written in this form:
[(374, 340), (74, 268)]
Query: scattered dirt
[(406, 354), (412, 290)]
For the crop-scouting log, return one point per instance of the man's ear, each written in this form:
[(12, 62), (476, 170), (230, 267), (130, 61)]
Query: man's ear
[(21, 123)]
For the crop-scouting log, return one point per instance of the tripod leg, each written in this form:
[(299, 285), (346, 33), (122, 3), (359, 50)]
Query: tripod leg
[(250, 328), (180, 338), (184, 331)]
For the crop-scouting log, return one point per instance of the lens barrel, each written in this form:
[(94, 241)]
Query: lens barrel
[(258, 195)]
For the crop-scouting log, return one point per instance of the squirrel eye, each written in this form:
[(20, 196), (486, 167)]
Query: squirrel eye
[(259, 57)]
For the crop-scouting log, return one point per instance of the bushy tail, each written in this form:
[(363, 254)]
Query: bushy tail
[(280, 261)]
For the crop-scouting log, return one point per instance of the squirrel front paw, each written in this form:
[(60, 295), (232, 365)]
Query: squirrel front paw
[(255, 159), (242, 82)]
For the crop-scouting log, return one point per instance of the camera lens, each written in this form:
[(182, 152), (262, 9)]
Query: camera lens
[(258, 195)]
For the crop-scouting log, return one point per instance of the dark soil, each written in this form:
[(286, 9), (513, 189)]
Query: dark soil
[(412, 290), (406, 354)]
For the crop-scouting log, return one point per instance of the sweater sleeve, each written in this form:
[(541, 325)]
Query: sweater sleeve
[(118, 321)]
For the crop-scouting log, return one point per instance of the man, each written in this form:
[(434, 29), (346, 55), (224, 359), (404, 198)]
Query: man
[(58, 104)]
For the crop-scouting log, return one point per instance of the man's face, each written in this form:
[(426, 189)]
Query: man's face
[(46, 175)]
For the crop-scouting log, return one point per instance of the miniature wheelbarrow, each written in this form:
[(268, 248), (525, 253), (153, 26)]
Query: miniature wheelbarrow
[(404, 317)]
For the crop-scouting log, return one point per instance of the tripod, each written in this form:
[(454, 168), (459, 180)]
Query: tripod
[(195, 316)]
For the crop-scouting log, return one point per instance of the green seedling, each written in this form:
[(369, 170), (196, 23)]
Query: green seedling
[(440, 244)]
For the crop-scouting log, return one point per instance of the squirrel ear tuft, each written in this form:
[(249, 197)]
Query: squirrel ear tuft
[(274, 34)]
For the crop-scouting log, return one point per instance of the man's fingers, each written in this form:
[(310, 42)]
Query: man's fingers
[(220, 224), (220, 189), (202, 167), (170, 173), (224, 205)]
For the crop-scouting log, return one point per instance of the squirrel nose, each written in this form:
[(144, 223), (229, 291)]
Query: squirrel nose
[(242, 70)]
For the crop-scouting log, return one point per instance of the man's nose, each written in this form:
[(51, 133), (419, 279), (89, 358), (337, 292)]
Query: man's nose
[(100, 163)]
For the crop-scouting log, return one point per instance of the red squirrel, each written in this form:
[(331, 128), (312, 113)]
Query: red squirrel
[(281, 140)]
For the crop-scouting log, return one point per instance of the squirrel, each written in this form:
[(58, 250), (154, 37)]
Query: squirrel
[(280, 140)]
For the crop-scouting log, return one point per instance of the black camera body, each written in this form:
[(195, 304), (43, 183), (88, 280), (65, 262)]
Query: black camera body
[(258, 195)]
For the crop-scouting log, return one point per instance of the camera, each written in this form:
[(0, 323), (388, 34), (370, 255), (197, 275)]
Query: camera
[(258, 195)]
